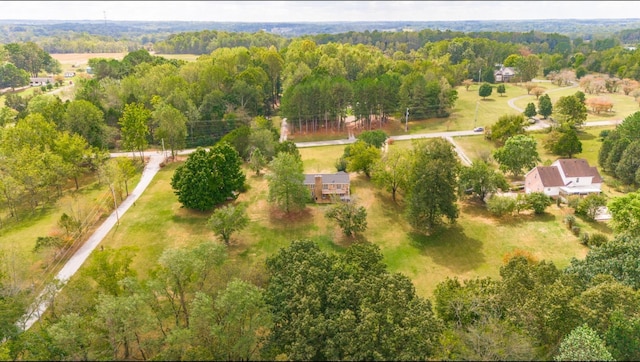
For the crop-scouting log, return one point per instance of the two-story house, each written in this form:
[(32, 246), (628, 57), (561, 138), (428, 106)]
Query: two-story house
[(324, 187), (565, 177), (504, 74)]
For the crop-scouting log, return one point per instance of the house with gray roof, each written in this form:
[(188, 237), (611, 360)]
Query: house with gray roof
[(565, 177), (325, 187)]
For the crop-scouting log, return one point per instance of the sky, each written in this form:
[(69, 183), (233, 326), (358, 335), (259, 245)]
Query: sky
[(316, 11)]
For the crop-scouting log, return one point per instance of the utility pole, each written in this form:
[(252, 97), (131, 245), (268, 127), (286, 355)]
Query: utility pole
[(406, 121), (115, 204), (475, 119), (164, 153)]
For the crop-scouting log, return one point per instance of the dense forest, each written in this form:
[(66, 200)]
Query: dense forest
[(302, 303), (123, 36)]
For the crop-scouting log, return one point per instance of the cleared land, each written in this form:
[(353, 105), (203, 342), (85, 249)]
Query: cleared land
[(474, 247)]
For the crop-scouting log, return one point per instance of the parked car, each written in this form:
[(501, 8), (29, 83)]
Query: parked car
[(478, 129)]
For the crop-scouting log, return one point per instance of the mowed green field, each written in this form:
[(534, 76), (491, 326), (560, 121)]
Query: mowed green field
[(473, 247)]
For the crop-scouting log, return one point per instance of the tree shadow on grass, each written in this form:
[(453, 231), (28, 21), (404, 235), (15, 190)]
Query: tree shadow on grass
[(391, 210), (450, 248), (585, 136)]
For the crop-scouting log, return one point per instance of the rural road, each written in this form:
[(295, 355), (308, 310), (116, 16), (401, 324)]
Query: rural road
[(153, 166), (74, 263)]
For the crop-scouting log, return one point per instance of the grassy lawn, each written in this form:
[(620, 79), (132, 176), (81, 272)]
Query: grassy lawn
[(19, 238), (473, 247), (622, 105)]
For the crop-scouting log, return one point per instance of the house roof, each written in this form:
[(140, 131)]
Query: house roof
[(327, 178), (579, 167), (550, 176)]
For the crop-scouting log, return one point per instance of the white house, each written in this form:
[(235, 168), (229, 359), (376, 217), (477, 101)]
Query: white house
[(504, 74), (572, 176)]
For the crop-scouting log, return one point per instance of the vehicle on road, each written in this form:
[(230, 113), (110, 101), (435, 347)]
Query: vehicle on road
[(478, 129)]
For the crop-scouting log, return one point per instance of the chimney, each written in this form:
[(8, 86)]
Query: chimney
[(317, 189)]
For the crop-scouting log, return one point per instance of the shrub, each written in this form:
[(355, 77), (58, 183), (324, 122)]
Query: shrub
[(575, 230), (519, 252), (341, 164), (539, 202), (598, 239), (501, 205), (570, 220), (589, 206), (573, 202), (584, 239)]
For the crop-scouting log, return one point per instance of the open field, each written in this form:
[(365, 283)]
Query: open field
[(474, 247), (622, 105)]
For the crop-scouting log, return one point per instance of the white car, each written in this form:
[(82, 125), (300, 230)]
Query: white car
[(478, 129)]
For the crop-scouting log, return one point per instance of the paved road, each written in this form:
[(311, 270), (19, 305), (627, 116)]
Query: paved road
[(82, 254)]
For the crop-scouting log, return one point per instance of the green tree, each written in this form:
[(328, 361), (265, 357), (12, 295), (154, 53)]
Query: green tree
[(74, 151), (257, 161), (362, 157), (229, 327), (583, 344), (432, 184), (226, 220), (171, 127), (481, 179), (589, 206), (351, 218), (508, 125), (571, 110), (545, 107), (375, 138), (538, 202), (288, 146), (87, 120), (134, 127), (286, 187), (528, 67), (501, 89), (622, 337), (617, 257), (563, 142), (265, 140), (519, 153), (392, 171), (347, 307), (208, 178), (530, 111), (485, 90), (12, 77), (629, 164), (625, 213)]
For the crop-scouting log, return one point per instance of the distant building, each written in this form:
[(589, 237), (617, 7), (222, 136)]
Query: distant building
[(504, 74), (324, 187), (69, 74), (565, 177), (40, 81)]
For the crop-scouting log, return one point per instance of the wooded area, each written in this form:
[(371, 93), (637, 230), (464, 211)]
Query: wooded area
[(301, 302)]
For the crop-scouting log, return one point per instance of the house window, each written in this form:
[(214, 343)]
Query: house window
[(325, 186), (339, 186)]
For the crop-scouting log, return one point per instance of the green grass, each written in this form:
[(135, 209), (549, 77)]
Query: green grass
[(473, 247)]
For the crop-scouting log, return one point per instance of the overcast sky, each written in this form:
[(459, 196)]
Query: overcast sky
[(316, 11)]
